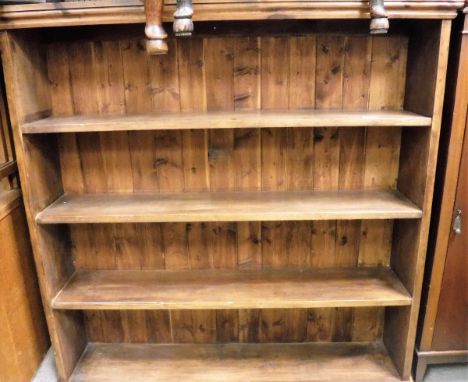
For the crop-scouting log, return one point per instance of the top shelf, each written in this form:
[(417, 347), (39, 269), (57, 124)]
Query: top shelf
[(224, 120)]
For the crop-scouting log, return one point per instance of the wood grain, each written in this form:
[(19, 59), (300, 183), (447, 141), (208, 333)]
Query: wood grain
[(230, 289), (428, 58), (451, 194), (23, 327), (131, 11), (225, 120), (228, 206), (234, 362), (28, 95), (212, 161)]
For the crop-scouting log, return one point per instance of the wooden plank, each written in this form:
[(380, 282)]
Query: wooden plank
[(356, 78), (108, 69), (356, 74), (132, 11), (248, 167), (319, 322), (225, 120), (375, 243), (247, 146), (84, 93), (59, 75), (428, 66), (382, 148), (387, 83), (202, 325), (230, 289), (122, 69), (194, 326), (329, 79), (328, 95), (301, 94), (168, 149), (222, 237), (229, 206), (247, 79), (193, 99), (274, 92), (364, 362), (368, 324), (138, 99)]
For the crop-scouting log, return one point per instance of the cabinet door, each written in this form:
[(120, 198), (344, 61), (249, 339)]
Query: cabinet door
[(451, 326)]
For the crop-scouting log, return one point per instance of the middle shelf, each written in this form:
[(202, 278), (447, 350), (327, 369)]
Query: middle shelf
[(228, 206), (232, 289), (226, 120)]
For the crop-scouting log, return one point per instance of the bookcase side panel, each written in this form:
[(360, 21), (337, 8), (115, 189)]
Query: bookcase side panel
[(28, 97), (427, 67)]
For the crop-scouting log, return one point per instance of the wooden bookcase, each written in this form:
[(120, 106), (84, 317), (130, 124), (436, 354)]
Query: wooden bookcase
[(252, 206)]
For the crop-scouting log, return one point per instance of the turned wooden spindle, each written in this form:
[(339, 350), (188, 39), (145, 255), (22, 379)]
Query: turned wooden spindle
[(379, 21), (155, 33), (183, 24)]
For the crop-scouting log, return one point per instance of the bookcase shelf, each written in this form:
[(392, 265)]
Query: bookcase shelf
[(363, 362), (223, 120), (228, 206), (231, 289)]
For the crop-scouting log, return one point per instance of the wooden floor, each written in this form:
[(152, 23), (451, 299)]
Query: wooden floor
[(226, 289), (228, 206), (350, 362)]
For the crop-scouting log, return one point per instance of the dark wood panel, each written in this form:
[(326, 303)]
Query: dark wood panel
[(440, 328), (23, 328), (450, 323)]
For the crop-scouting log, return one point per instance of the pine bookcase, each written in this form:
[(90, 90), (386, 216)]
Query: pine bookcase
[(252, 206)]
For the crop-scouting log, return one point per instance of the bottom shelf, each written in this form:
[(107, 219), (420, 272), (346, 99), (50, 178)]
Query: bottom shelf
[(364, 362)]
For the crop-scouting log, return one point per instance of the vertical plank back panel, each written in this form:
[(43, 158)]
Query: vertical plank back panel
[(225, 74)]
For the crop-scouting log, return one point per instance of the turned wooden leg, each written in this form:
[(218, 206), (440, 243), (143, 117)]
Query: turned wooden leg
[(379, 22), (155, 33), (183, 24)]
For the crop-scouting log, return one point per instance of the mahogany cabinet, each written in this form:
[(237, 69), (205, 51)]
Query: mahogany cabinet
[(444, 319), (252, 205)]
